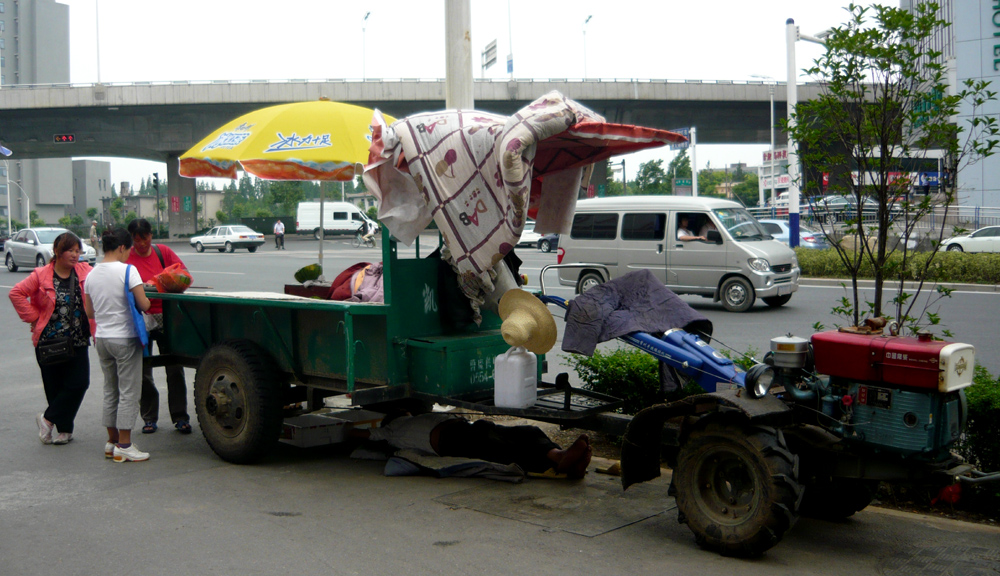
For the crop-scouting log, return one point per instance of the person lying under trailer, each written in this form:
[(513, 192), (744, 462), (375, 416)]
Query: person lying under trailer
[(440, 434)]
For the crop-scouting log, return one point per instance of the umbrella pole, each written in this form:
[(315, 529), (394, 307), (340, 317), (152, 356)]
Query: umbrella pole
[(322, 233)]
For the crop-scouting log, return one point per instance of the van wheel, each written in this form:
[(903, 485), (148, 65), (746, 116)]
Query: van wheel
[(317, 234), (588, 281), (777, 301), (737, 294)]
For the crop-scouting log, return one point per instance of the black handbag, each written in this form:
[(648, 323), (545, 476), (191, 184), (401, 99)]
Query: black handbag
[(55, 350)]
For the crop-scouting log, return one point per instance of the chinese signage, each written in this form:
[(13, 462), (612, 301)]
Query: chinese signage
[(175, 204), (686, 132), (187, 203), (779, 154), (779, 181)]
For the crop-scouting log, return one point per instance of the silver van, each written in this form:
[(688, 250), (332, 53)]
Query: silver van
[(704, 246)]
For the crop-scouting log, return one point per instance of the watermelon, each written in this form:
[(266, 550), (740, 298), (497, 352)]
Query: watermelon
[(310, 272)]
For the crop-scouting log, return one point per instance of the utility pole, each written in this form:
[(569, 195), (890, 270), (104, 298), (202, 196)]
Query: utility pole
[(156, 186)]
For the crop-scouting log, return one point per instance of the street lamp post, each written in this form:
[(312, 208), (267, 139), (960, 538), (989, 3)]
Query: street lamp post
[(364, 45), (585, 45)]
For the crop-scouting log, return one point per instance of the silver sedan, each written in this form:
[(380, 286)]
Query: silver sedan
[(33, 247)]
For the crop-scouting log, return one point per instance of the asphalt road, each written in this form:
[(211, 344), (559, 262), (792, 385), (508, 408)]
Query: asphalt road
[(67, 510)]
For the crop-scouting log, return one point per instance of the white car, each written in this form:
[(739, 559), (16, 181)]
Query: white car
[(33, 247), (983, 240), (228, 238), (528, 236)]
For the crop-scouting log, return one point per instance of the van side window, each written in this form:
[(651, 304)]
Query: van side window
[(594, 226), (340, 215), (644, 226)]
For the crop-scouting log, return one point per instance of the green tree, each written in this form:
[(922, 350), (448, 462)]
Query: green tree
[(679, 167), (886, 98), (287, 195), (35, 220), (651, 179), (747, 191), (91, 213), (220, 216)]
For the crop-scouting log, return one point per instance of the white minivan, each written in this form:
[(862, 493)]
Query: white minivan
[(338, 218), (725, 254)]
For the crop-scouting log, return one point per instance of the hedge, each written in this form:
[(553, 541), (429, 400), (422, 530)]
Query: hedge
[(946, 267)]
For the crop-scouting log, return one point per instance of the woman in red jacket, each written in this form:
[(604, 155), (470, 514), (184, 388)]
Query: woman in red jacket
[(52, 303)]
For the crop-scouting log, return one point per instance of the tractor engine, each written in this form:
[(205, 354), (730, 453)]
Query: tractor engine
[(888, 393)]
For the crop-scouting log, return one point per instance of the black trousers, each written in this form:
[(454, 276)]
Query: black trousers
[(279, 240), (149, 402), (526, 446), (65, 386)]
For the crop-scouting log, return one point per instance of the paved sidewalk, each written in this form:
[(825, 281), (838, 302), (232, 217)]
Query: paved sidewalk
[(908, 285)]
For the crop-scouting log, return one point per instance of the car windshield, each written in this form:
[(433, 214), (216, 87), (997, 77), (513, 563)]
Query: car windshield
[(48, 236), (741, 225), (241, 230)]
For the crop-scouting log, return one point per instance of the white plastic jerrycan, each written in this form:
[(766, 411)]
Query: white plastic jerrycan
[(515, 377)]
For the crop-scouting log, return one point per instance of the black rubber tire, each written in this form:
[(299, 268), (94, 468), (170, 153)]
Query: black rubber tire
[(199, 247), (777, 301), (587, 281), (955, 248), (222, 249), (229, 247), (252, 249), (837, 499), (544, 246), (11, 266), (737, 294), (737, 487), (317, 235), (39, 261), (242, 374)]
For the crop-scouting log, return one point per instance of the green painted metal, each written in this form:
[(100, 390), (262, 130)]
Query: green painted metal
[(402, 342)]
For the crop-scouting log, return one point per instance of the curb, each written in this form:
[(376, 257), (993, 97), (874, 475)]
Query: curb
[(826, 282)]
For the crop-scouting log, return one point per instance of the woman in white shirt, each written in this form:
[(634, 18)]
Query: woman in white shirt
[(118, 344)]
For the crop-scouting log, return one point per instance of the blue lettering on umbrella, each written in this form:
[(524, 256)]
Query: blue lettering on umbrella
[(296, 142)]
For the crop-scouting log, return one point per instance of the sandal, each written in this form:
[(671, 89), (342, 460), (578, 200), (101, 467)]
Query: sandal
[(149, 428), (183, 426)]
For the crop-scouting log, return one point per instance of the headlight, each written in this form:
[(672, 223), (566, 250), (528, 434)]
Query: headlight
[(758, 380), (759, 264), (795, 261)]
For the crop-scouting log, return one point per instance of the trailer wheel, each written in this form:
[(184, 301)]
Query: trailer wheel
[(237, 396), (737, 488), (838, 499)]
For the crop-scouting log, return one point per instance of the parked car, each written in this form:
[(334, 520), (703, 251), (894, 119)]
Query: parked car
[(548, 242), (839, 207), (808, 238), (983, 240), (33, 247), (528, 236), (228, 238)]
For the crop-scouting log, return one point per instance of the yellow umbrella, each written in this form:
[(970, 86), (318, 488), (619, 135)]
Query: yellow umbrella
[(319, 140)]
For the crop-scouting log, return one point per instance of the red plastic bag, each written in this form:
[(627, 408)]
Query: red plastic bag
[(174, 278)]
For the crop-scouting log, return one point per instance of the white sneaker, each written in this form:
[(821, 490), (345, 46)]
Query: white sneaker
[(44, 429), (130, 454), (63, 438), (109, 450)]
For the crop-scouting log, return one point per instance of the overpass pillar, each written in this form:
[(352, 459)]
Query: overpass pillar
[(181, 200)]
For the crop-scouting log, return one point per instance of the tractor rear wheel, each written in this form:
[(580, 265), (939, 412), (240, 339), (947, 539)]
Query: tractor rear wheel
[(737, 487), (238, 395)]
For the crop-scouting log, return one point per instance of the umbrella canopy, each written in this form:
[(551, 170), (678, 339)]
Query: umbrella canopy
[(319, 140)]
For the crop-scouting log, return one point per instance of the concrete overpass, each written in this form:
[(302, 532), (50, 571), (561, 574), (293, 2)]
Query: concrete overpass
[(160, 120)]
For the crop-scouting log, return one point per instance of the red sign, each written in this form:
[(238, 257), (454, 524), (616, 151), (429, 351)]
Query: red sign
[(591, 191), (778, 155), (175, 204)]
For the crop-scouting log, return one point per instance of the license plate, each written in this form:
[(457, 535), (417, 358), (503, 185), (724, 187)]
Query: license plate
[(785, 289)]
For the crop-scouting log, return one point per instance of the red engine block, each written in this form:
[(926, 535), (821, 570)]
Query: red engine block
[(907, 362)]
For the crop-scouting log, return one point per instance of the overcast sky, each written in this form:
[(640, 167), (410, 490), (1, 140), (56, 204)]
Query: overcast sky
[(144, 40)]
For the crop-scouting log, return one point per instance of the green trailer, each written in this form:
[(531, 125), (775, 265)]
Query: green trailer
[(258, 353)]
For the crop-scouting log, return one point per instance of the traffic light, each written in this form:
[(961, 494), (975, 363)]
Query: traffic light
[(64, 138), (156, 180)]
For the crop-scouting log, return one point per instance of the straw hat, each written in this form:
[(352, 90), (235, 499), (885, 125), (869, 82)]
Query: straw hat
[(527, 322)]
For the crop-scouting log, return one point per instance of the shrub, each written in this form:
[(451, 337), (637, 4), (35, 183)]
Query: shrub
[(979, 443), (946, 267), (629, 374)]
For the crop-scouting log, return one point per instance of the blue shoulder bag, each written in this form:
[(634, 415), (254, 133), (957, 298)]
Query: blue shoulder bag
[(138, 322)]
